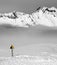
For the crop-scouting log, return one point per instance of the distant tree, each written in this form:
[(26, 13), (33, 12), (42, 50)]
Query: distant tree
[(12, 47)]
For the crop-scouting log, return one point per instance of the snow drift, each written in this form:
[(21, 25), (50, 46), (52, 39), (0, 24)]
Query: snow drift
[(28, 60), (42, 16)]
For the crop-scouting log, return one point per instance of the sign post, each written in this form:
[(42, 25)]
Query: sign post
[(12, 47)]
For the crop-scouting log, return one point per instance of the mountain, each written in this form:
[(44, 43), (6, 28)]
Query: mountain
[(41, 16)]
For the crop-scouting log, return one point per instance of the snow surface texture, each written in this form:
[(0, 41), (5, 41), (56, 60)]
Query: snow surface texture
[(28, 60), (42, 16)]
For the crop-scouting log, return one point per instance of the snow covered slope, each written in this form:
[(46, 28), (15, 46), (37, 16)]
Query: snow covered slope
[(28, 60), (42, 16)]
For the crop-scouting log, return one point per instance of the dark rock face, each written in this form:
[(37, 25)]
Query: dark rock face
[(50, 10), (38, 8), (14, 16)]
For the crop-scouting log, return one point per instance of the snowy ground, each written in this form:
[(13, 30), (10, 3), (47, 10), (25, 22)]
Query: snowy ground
[(29, 60)]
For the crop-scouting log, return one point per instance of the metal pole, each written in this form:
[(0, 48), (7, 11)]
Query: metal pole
[(12, 47), (12, 52)]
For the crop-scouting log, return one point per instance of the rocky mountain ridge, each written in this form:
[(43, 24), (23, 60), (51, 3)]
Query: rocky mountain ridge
[(42, 16)]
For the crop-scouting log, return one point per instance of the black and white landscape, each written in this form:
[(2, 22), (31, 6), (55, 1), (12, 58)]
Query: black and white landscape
[(33, 34)]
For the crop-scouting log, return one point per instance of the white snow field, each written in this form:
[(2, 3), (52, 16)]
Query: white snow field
[(29, 60), (42, 16)]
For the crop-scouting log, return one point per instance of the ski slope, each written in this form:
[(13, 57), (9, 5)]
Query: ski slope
[(29, 60)]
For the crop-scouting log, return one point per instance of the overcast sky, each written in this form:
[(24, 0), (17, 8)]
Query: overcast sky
[(25, 5)]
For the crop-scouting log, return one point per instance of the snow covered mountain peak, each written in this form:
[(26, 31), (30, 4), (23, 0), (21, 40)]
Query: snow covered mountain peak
[(42, 16)]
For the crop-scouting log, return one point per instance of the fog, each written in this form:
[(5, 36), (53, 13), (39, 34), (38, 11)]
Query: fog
[(27, 41)]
